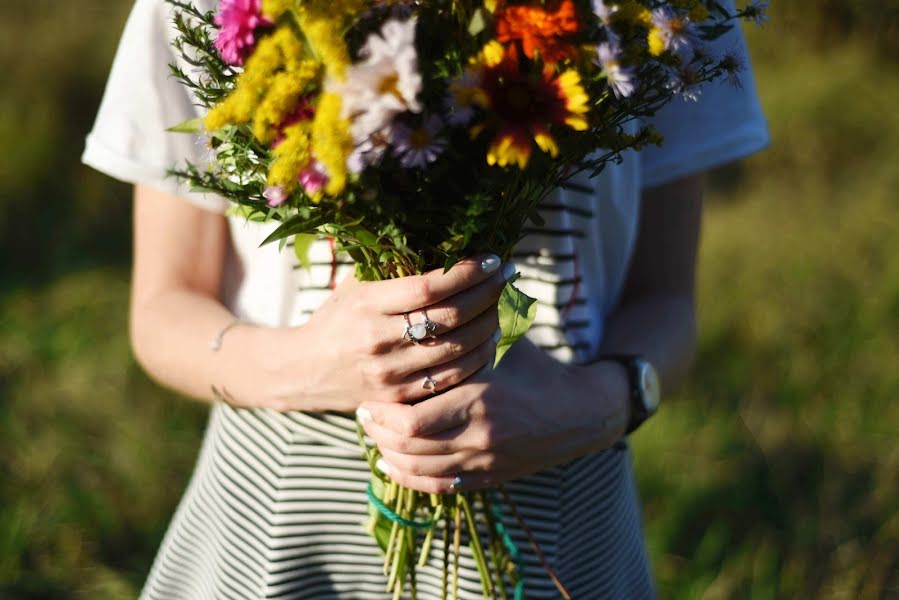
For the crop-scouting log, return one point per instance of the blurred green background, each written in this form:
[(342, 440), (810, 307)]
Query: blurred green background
[(774, 474)]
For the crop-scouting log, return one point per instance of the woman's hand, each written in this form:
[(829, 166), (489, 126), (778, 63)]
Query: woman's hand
[(531, 413), (353, 347)]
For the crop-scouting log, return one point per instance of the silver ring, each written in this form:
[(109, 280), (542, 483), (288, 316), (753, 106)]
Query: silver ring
[(416, 333), (429, 384), (456, 483)]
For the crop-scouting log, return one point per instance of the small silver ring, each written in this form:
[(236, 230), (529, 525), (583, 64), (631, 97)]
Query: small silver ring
[(456, 483), (429, 384)]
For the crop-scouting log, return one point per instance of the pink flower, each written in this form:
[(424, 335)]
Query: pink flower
[(238, 21), (275, 194), (313, 178)]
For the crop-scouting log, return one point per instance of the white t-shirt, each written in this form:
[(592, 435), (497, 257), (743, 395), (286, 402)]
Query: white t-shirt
[(575, 265)]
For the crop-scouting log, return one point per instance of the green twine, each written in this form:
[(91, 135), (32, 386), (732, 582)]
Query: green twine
[(385, 510), (509, 543)]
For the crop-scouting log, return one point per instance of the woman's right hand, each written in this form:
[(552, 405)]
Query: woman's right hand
[(353, 350)]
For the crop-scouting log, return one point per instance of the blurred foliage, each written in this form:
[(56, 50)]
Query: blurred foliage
[(773, 474)]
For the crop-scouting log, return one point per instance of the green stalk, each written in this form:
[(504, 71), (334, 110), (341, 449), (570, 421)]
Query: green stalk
[(496, 549), (477, 550), (457, 543), (400, 543), (446, 528), (429, 537), (394, 530)]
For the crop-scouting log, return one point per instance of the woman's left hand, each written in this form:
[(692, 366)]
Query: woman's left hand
[(531, 413)]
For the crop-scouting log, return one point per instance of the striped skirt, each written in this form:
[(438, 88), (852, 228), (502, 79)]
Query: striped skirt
[(277, 503)]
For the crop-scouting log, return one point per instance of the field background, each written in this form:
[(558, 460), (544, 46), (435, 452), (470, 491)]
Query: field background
[(774, 474)]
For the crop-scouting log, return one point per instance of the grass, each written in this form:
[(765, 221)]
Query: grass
[(772, 474)]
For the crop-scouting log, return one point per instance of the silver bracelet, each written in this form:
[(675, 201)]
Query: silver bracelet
[(216, 344)]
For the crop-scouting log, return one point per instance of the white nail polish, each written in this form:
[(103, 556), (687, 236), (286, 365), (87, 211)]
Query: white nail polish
[(497, 335), (509, 270), (490, 264), (363, 414), (383, 466)]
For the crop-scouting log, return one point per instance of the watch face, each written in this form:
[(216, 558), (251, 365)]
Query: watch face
[(649, 382)]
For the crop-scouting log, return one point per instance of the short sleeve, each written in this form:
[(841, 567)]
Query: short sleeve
[(724, 125), (129, 140)]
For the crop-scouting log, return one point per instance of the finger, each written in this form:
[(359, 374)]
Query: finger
[(477, 335), (442, 485), (387, 439), (465, 306), (434, 380), (443, 412), (398, 296), (433, 465)]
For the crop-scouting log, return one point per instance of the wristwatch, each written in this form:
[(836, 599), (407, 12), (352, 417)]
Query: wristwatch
[(645, 391)]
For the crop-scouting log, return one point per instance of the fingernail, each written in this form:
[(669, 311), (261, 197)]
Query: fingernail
[(383, 466), (491, 263), (497, 335), (363, 414), (509, 270)]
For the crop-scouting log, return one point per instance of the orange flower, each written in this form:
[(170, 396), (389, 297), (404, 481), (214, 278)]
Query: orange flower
[(543, 29)]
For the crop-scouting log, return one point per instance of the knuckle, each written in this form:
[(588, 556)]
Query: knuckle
[(411, 425), (485, 440), (402, 445), (420, 290), (377, 372), (454, 348)]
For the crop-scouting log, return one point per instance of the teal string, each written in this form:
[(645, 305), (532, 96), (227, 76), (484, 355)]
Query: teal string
[(509, 543), (385, 510)]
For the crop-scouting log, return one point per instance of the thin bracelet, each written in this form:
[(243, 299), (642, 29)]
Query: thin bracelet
[(216, 344)]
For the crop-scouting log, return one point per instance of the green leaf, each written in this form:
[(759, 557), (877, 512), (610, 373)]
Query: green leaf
[(301, 244), (191, 126), (516, 314), (293, 226), (477, 24)]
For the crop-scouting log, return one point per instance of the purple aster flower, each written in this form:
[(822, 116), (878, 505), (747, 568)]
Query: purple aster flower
[(685, 83), (757, 11), (622, 80), (678, 33), (238, 21), (603, 10), (418, 146)]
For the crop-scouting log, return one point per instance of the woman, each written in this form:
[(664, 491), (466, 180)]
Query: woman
[(287, 355)]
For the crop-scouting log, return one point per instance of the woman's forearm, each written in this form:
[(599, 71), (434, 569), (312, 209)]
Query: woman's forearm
[(662, 329), (171, 335)]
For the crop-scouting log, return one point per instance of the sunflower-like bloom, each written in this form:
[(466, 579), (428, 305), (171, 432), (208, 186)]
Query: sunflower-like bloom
[(546, 30), (523, 105)]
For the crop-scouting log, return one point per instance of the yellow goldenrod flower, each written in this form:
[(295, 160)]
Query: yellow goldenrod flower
[(331, 141), (291, 155), (279, 52), (275, 8), (491, 54), (282, 98)]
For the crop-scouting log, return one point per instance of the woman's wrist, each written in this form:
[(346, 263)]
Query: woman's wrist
[(602, 390)]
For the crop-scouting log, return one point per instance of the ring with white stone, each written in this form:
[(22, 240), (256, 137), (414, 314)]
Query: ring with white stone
[(429, 384), (456, 483), (419, 331)]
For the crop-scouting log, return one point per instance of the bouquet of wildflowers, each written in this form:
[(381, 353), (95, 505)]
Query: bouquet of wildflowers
[(415, 133)]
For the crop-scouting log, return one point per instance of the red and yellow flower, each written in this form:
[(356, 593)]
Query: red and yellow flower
[(523, 104)]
